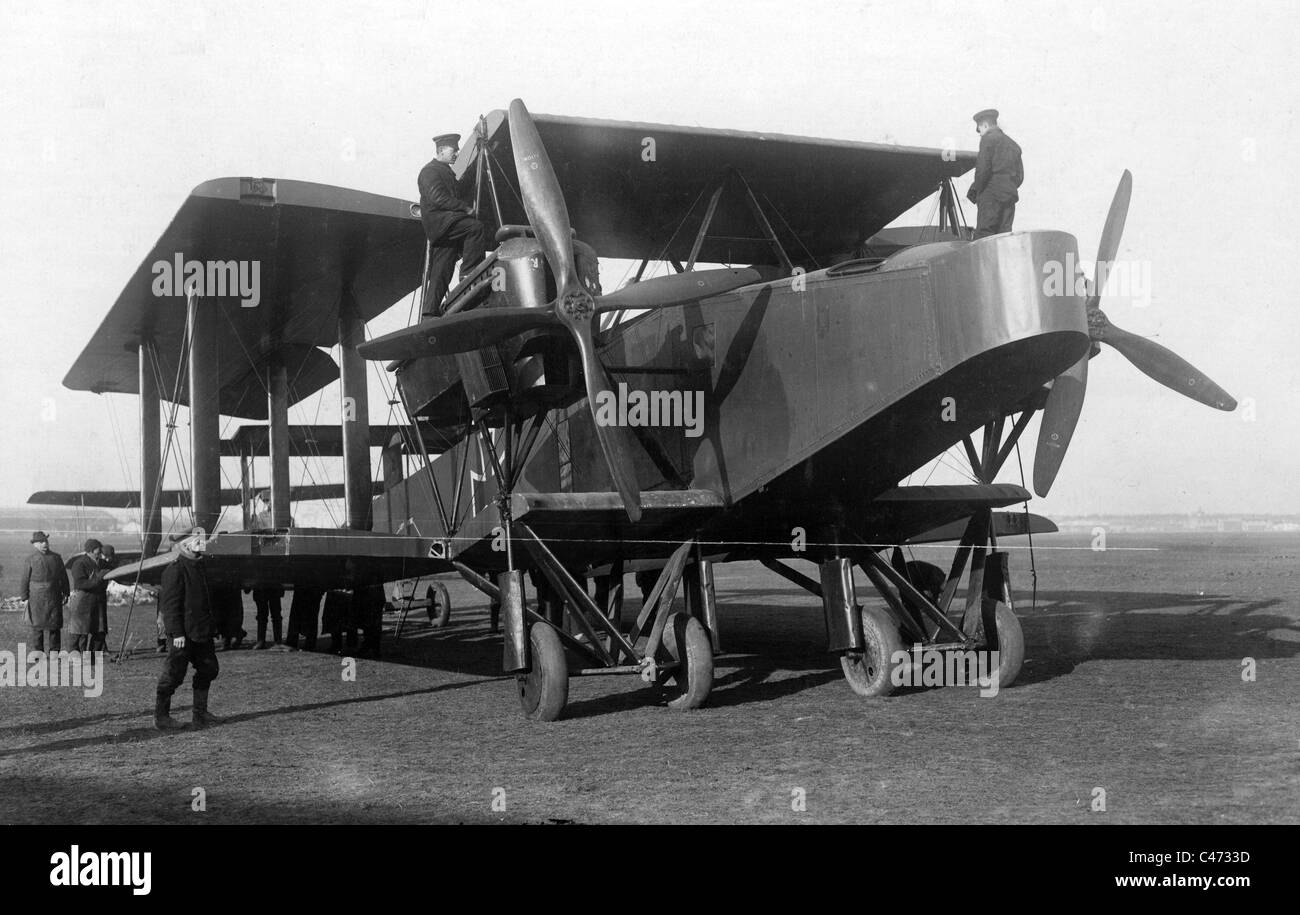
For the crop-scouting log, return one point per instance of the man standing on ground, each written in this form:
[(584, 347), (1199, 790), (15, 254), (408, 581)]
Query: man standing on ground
[(45, 590), (267, 599), (304, 617), (88, 605), (190, 624), (998, 174)]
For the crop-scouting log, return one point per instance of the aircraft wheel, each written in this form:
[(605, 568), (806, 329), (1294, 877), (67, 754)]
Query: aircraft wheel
[(688, 643), (544, 690), (1011, 645), (439, 609), (869, 672)]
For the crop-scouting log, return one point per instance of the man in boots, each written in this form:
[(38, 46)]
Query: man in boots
[(304, 617), (267, 599), (189, 620)]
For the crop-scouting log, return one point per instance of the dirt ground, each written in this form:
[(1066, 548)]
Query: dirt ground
[(1133, 684)]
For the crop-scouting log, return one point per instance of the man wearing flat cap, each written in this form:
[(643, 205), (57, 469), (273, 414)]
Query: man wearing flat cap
[(998, 174), (449, 224), (45, 590)]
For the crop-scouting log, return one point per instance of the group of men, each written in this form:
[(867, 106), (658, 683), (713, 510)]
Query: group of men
[(49, 588)]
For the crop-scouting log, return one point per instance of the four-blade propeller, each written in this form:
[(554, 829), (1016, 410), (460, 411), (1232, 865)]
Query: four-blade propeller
[(1065, 400)]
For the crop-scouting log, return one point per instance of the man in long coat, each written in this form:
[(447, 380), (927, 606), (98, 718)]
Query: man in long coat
[(87, 616), (44, 589)]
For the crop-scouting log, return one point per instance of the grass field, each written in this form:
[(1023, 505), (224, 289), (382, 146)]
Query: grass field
[(1133, 684)]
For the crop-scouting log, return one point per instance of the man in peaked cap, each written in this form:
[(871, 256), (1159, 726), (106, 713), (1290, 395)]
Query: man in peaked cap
[(451, 229), (998, 174), (45, 590)]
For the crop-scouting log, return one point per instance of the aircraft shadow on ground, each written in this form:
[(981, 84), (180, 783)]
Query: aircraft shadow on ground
[(1071, 627), (147, 732), (26, 801)]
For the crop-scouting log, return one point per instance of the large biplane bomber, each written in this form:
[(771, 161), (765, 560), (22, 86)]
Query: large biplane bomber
[(760, 399)]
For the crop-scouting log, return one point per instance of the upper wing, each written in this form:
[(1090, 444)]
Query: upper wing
[(308, 247), (629, 186)]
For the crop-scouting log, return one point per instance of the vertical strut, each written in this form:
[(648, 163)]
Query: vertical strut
[(355, 416), (150, 453), (205, 414)]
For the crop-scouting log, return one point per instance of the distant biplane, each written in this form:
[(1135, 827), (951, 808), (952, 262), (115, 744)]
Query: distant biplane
[(834, 356)]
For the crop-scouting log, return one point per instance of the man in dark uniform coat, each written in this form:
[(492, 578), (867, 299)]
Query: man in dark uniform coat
[(45, 590), (998, 174), (450, 228), (189, 618)]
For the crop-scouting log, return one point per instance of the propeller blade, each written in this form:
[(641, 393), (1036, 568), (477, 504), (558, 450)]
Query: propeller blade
[(1110, 236), (543, 199), (459, 333), (1168, 368), (1060, 416), (678, 289), (615, 440)]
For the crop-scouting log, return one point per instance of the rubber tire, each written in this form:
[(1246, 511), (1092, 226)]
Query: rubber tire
[(687, 642), (444, 602), (1011, 645), (544, 690), (870, 674)]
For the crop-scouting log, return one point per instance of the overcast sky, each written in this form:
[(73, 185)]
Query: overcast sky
[(114, 112)]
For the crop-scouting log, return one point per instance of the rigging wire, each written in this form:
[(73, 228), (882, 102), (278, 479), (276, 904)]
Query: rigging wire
[(1029, 529)]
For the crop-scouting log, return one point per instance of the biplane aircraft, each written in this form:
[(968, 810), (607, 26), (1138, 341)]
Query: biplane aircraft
[(763, 401)]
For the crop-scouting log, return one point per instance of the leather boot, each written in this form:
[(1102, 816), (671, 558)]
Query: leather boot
[(261, 637), (276, 629), (202, 717), (162, 714)]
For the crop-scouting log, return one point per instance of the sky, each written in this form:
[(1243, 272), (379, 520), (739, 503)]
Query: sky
[(113, 112)]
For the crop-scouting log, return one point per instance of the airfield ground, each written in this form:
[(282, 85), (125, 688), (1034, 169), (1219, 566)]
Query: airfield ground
[(1133, 684)]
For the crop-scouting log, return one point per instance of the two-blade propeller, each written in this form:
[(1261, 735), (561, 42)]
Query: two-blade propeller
[(1065, 400), (574, 310)]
